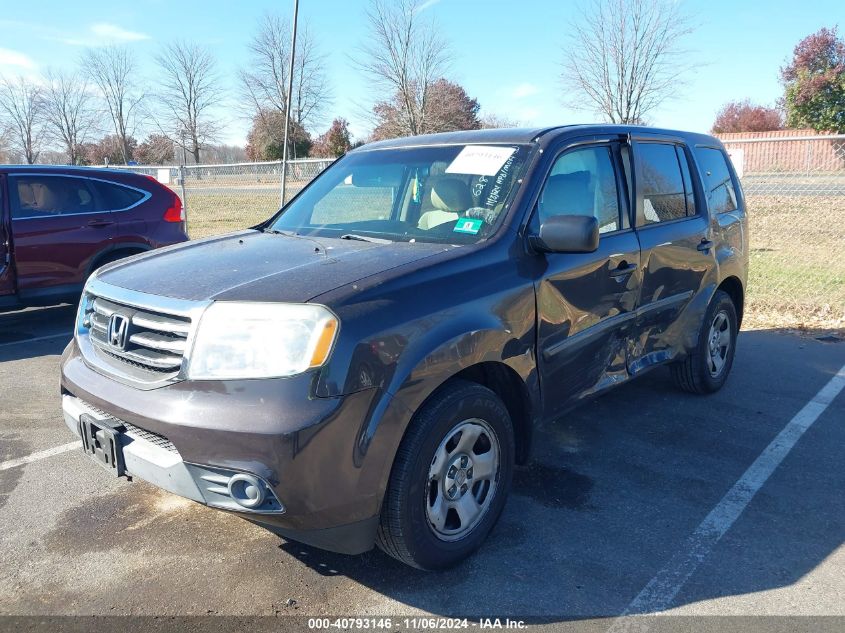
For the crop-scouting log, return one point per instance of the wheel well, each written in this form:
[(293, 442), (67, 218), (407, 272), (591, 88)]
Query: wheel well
[(506, 384), (115, 254), (733, 287)]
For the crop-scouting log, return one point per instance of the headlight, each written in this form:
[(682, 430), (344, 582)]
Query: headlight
[(261, 340)]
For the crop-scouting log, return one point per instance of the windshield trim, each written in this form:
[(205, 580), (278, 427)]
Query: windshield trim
[(363, 149)]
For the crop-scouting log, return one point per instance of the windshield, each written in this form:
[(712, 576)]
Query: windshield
[(454, 194)]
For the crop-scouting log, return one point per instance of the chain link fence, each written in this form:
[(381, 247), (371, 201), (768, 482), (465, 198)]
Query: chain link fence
[(795, 193), (223, 198)]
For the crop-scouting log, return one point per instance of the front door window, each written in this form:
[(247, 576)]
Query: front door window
[(583, 182)]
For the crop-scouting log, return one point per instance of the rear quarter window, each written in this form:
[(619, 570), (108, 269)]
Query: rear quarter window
[(718, 184), (114, 197)]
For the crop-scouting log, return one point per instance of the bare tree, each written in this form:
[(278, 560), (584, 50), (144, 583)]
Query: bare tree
[(624, 57), (264, 83), (21, 106), (405, 55), (114, 71), (68, 111), (190, 89), (492, 120)]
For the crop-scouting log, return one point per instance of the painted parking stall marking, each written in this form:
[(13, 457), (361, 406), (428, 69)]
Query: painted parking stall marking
[(661, 590), (34, 457)]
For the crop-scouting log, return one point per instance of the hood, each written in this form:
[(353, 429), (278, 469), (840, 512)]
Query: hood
[(255, 266)]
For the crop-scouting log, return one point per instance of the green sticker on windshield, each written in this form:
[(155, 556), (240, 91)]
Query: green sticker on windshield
[(468, 225)]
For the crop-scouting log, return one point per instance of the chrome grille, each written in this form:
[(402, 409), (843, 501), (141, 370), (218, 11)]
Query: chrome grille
[(150, 342)]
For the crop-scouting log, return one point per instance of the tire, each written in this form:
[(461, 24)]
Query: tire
[(701, 371), (430, 521)]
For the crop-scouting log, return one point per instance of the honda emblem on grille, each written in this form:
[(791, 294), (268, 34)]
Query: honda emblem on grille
[(118, 327)]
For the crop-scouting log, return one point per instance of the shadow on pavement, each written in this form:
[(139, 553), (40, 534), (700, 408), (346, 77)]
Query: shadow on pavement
[(35, 332), (615, 488), (618, 484)]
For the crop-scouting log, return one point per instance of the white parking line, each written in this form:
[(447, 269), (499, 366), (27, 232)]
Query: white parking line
[(37, 338), (659, 593), (34, 457)]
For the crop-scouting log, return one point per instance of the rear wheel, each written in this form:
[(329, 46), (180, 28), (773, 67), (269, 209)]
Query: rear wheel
[(706, 369), (450, 478)]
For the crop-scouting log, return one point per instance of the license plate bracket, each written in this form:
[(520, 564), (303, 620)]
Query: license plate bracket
[(101, 440)]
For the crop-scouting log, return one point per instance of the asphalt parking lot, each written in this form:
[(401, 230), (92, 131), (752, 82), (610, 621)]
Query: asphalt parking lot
[(616, 498)]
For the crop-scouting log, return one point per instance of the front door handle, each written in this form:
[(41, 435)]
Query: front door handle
[(705, 245), (97, 224), (623, 269)]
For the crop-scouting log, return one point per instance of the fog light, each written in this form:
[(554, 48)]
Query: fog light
[(247, 490), (235, 491)]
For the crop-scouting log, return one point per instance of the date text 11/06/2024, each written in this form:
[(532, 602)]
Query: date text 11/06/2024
[(414, 623)]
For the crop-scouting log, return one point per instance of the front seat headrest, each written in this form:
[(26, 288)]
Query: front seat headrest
[(450, 194), (26, 195), (46, 198)]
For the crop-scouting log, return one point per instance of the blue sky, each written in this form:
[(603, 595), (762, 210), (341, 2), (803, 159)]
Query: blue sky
[(507, 53)]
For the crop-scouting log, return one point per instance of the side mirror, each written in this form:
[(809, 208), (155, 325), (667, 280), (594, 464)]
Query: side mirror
[(568, 234)]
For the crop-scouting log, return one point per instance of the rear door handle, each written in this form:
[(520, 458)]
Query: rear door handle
[(705, 245), (624, 268), (100, 223)]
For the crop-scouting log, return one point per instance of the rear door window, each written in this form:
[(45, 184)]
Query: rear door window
[(664, 182), (115, 197), (721, 194), (49, 196)]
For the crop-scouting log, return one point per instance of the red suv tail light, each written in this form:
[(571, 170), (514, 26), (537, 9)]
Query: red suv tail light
[(175, 213)]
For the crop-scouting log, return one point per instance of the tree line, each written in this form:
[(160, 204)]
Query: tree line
[(624, 58), (814, 92), (96, 112), (92, 114)]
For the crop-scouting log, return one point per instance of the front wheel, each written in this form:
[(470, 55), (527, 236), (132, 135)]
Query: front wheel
[(706, 368), (450, 478)]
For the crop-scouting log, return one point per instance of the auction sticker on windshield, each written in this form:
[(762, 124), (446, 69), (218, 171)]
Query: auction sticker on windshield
[(480, 160)]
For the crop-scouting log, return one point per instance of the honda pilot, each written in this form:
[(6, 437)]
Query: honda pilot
[(367, 366)]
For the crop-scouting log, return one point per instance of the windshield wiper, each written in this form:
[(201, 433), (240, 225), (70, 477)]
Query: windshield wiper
[(364, 238)]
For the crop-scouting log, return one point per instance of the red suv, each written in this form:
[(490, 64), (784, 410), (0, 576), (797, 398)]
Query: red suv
[(59, 224)]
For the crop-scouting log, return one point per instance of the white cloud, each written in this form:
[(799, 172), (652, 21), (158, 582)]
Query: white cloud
[(425, 5), (14, 58), (116, 33), (97, 34), (524, 90)]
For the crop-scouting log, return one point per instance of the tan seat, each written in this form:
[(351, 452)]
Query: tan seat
[(26, 196), (47, 200), (449, 197)]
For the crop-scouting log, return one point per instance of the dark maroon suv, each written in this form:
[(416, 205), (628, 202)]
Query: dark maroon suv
[(59, 224)]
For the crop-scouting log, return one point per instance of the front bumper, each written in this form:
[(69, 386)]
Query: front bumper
[(155, 459), (321, 458)]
